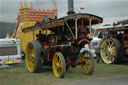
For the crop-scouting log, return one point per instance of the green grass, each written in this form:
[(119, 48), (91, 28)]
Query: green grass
[(18, 75)]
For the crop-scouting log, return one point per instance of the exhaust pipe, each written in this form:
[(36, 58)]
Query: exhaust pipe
[(70, 7)]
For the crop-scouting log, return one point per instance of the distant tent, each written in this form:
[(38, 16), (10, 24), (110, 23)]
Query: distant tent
[(7, 35), (14, 34)]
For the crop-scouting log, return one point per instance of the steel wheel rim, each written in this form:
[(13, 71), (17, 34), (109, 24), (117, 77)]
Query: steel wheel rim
[(57, 65), (85, 58), (30, 58), (108, 51)]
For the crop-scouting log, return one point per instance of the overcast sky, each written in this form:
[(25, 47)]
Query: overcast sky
[(110, 10)]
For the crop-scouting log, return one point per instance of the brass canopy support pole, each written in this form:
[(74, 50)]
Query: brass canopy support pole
[(33, 34), (46, 32), (90, 26), (76, 29), (70, 29), (82, 22)]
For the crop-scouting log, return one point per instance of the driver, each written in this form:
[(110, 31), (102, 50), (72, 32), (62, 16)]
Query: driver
[(40, 36), (82, 32)]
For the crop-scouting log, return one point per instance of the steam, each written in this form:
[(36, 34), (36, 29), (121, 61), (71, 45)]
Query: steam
[(40, 2), (53, 1)]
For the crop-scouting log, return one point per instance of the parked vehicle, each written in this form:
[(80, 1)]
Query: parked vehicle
[(10, 51), (114, 47), (93, 46), (57, 42)]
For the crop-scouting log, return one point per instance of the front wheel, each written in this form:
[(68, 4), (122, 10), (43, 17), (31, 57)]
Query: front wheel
[(87, 63), (59, 65), (33, 56)]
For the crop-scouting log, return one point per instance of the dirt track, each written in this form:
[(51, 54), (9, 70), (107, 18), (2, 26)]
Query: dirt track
[(114, 80)]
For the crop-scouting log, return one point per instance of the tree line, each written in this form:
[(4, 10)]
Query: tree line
[(6, 27)]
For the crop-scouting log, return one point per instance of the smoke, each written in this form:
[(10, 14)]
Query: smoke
[(45, 3), (53, 1)]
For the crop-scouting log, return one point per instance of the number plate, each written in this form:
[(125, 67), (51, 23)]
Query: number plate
[(9, 62)]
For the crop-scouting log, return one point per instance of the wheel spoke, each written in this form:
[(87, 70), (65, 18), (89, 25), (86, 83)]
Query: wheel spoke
[(111, 58), (59, 70), (113, 48), (31, 58), (112, 45), (109, 43), (87, 66)]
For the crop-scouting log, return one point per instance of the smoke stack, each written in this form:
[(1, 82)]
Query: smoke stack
[(70, 7)]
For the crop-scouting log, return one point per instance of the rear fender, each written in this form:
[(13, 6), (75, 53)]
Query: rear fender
[(82, 42)]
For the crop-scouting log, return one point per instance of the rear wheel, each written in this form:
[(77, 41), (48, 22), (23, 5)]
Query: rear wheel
[(59, 65), (87, 65), (33, 56), (110, 50)]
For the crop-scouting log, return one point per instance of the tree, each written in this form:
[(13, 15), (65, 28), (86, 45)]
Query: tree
[(6, 27)]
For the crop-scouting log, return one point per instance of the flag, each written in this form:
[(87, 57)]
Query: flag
[(81, 8)]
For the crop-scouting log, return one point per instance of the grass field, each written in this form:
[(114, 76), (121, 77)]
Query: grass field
[(18, 75)]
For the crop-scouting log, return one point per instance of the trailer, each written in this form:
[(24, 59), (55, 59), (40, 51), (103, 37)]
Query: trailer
[(10, 52)]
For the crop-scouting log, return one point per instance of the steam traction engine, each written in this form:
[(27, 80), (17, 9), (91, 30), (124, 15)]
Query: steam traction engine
[(59, 42), (114, 47)]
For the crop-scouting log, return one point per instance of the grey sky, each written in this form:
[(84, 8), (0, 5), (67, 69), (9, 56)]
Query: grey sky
[(110, 10)]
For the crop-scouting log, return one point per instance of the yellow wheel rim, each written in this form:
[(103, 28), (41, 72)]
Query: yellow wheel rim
[(108, 51), (30, 57), (88, 65), (58, 65)]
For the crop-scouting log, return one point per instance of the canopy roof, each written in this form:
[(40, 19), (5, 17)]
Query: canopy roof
[(59, 22), (113, 28)]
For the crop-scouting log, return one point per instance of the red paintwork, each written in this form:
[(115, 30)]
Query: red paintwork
[(83, 42)]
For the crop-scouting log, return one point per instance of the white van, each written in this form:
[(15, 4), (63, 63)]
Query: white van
[(95, 43), (10, 51)]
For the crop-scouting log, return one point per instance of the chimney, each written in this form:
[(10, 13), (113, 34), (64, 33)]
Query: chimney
[(70, 7)]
